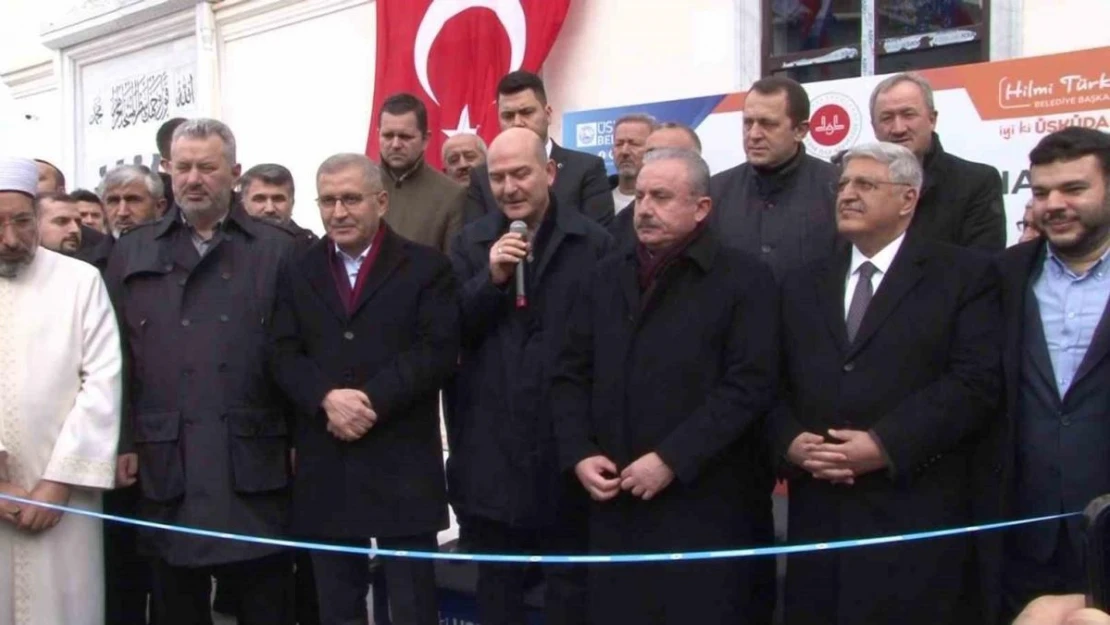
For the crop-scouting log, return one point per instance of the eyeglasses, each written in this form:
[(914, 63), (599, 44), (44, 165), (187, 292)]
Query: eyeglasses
[(350, 200), (864, 185), (1022, 225)]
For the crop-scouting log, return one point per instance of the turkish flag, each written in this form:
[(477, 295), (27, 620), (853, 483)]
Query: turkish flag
[(452, 53)]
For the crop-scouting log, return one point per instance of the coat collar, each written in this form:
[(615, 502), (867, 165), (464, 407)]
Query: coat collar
[(237, 218), (318, 271), (702, 253)]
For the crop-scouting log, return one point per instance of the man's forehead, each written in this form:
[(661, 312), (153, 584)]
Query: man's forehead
[(134, 186), (261, 186), (13, 202), (902, 95), (57, 206), (404, 121), (519, 100), (457, 143), (211, 146), (1082, 168)]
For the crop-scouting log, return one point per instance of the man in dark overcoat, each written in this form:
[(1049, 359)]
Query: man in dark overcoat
[(503, 474), (891, 352), (668, 369), (206, 428), (366, 331)]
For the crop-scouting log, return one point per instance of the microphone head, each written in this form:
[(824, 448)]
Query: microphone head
[(519, 227)]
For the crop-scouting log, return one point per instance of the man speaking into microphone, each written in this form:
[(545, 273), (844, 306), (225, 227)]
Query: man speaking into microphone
[(519, 269)]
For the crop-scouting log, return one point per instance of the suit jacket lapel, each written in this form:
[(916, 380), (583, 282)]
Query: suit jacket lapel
[(830, 295), (559, 155), (389, 258), (1016, 276), (318, 271), (904, 273), (1036, 339)]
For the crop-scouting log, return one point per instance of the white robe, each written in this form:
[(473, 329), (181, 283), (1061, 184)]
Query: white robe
[(60, 386)]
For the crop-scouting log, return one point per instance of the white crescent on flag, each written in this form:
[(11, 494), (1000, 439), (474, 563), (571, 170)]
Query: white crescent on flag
[(509, 12)]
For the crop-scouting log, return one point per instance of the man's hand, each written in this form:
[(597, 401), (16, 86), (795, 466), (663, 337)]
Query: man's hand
[(646, 477), (10, 511), (36, 519), (800, 448), (127, 470), (350, 415), (504, 256), (598, 475), (1061, 610), (857, 454)]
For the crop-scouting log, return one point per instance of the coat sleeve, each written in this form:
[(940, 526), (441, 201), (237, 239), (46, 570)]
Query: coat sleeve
[(113, 279), (482, 302), (84, 452), (431, 358), (572, 383), (596, 196), (782, 424), (937, 418), (747, 386), (984, 225), (295, 373)]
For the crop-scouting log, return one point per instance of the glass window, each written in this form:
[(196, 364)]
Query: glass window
[(802, 25), (898, 18), (824, 71), (958, 54)]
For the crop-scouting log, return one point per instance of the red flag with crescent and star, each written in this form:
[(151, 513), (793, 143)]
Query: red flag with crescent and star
[(452, 53)]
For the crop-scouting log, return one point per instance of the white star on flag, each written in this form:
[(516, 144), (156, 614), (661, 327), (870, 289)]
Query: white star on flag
[(463, 127)]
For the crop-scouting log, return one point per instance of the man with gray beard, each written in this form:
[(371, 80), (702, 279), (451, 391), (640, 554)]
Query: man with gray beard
[(206, 432)]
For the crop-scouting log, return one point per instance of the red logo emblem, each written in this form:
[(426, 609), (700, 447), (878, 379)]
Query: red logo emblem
[(830, 125)]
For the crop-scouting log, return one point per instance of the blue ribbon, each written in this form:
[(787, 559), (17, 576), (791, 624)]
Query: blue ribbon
[(552, 559)]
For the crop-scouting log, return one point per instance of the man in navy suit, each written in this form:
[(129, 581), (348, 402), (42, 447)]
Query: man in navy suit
[(580, 179)]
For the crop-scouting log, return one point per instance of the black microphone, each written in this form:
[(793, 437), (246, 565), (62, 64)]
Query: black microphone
[(521, 228)]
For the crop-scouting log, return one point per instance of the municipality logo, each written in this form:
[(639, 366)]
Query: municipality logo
[(587, 134), (834, 125)]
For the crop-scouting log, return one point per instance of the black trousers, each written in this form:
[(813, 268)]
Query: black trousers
[(1025, 579), (342, 581), (127, 575), (501, 587), (303, 599), (182, 595)]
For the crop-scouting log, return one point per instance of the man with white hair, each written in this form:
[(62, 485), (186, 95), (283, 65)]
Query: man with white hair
[(60, 385), (892, 365), (462, 153)]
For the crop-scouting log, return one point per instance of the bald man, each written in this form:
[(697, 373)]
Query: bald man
[(504, 480), (666, 135)]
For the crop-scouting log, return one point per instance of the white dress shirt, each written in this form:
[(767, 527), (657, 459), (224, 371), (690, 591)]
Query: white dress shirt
[(548, 146), (881, 260), (352, 264)]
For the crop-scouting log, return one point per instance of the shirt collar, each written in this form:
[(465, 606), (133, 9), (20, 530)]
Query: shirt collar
[(550, 144), (354, 259), (1052, 260), (219, 224), (881, 260)]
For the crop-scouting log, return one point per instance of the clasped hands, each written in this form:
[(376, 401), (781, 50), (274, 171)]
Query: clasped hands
[(27, 517), (848, 455), (644, 478), (350, 414)]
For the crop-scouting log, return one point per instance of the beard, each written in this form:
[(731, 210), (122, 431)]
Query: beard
[(11, 268), (205, 208)]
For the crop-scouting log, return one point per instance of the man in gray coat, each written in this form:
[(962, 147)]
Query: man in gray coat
[(778, 205), (206, 432)]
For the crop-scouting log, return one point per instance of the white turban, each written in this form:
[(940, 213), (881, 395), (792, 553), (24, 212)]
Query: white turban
[(18, 174)]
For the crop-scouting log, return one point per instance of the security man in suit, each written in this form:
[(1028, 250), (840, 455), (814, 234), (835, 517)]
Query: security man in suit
[(580, 179)]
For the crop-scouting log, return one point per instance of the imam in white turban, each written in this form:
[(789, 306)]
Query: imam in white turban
[(18, 174)]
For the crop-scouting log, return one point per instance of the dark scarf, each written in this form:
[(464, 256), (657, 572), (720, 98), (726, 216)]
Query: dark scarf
[(769, 181), (649, 265)]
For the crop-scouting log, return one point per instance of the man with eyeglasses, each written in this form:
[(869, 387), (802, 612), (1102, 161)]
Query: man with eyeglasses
[(365, 332), (891, 356), (1027, 228)]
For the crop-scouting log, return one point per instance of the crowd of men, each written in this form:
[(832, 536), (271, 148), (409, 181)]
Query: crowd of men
[(625, 365)]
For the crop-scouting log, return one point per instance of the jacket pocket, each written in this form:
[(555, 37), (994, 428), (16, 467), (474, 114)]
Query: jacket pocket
[(161, 468), (259, 442)]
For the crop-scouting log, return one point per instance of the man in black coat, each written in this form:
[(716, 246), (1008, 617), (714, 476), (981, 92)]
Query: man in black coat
[(891, 352), (206, 429), (580, 180), (1052, 452), (503, 473), (365, 333), (268, 193), (778, 205), (668, 369), (961, 201)]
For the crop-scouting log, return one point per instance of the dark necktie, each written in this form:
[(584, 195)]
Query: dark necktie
[(860, 299)]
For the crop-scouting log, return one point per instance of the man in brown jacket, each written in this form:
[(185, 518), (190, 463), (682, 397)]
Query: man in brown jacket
[(425, 206)]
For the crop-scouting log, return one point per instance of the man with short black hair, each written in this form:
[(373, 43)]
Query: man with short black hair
[(91, 209), (778, 205), (268, 192), (961, 201), (425, 206), (59, 223), (580, 182)]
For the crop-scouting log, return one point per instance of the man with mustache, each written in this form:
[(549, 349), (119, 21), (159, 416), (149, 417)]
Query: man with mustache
[(778, 205), (630, 135), (663, 434), (207, 433), (60, 367), (1052, 450), (95, 246), (268, 193), (425, 205), (505, 479), (891, 357), (59, 223), (961, 201), (91, 209), (132, 195), (461, 154)]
